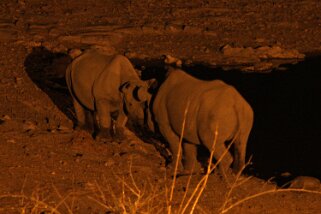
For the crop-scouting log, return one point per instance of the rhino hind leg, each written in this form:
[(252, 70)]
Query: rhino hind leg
[(220, 152), (173, 141), (239, 155), (190, 163)]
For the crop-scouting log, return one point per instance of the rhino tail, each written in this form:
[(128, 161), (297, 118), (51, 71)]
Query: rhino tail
[(68, 78)]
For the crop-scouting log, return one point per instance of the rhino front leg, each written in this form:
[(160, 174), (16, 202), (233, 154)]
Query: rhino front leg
[(84, 117), (103, 109), (120, 125), (119, 120)]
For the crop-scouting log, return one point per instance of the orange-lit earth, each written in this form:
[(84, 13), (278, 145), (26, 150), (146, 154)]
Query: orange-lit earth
[(46, 166)]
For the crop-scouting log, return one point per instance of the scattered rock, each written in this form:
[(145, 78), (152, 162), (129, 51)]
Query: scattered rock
[(6, 117), (110, 162), (29, 126), (260, 66), (277, 52), (230, 51), (259, 59), (173, 28), (305, 182), (63, 129), (13, 141), (18, 80), (73, 53), (168, 59), (192, 29), (264, 52)]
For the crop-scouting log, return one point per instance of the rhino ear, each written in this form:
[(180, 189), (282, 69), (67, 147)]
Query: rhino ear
[(152, 83), (124, 86), (142, 94)]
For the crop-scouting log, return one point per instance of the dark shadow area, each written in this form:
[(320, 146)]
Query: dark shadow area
[(47, 70), (286, 136)]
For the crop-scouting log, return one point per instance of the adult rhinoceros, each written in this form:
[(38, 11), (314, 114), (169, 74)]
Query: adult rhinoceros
[(210, 106), (94, 80)]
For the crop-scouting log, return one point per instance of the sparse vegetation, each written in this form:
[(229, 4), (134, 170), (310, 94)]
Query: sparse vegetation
[(47, 167)]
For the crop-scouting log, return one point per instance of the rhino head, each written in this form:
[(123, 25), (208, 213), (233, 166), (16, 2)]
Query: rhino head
[(136, 100)]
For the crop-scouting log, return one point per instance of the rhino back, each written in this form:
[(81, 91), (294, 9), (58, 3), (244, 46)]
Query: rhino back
[(211, 103), (180, 91), (118, 71), (85, 70)]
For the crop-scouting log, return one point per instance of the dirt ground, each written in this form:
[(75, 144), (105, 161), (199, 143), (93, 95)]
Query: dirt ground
[(47, 167)]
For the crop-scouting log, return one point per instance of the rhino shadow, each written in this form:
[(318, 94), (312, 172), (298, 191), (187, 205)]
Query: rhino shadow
[(47, 70), (286, 134)]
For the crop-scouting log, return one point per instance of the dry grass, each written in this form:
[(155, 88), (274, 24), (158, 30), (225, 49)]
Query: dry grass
[(131, 197), (37, 202)]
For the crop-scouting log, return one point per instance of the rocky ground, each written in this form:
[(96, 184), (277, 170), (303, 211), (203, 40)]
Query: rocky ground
[(269, 50)]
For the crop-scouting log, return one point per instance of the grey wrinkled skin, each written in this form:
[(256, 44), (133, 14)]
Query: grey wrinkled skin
[(210, 106), (94, 80)]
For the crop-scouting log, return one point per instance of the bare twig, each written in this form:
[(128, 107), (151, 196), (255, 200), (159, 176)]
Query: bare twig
[(178, 158)]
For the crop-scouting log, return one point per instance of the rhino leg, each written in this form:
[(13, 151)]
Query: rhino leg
[(119, 121), (240, 152), (84, 117), (190, 162), (104, 119), (173, 141), (221, 153), (220, 150)]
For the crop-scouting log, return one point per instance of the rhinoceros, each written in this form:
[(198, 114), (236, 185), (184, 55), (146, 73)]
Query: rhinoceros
[(210, 106), (94, 80)]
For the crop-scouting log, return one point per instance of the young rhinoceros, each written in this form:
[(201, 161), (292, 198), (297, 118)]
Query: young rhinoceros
[(210, 106), (94, 80)]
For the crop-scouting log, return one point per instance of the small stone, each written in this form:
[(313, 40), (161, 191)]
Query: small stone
[(168, 59), (29, 126), (188, 62), (305, 182), (6, 117), (206, 50), (63, 129), (62, 162), (73, 53), (18, 80), (13, 141)]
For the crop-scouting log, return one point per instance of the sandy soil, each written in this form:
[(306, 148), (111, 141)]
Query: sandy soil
[(47, 166)]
